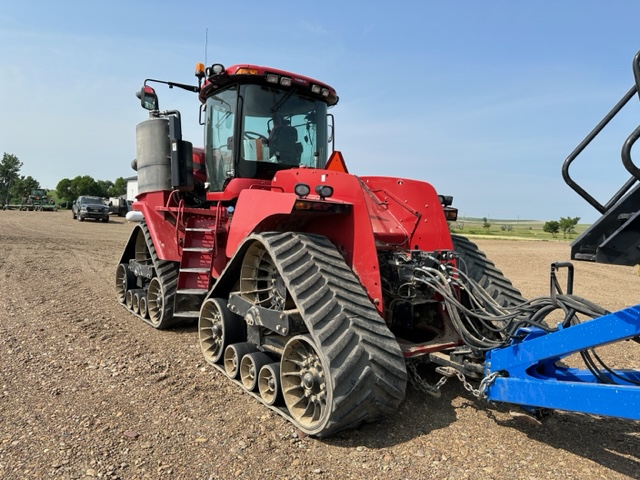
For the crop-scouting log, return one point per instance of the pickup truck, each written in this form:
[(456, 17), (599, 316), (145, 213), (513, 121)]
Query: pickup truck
[(90, 207)]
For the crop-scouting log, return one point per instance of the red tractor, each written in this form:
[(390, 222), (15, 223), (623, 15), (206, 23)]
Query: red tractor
[(313, 288)]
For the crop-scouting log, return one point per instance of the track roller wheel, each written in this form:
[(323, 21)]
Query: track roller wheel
[(306, 388), (233, 356), (269, 383), (142, 306), (135, 304), (128, 299), (250, 366), (217, 328), (125, 280)]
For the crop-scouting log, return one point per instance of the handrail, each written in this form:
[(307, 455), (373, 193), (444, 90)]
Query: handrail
[(625, 154)]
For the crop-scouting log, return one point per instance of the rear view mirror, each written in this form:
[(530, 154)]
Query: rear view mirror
[(148, 98)]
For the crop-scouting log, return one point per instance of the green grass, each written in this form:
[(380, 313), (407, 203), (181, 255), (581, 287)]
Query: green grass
[(516, 229)]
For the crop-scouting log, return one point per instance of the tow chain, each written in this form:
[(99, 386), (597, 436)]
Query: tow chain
[(447, 372), (421, 384)]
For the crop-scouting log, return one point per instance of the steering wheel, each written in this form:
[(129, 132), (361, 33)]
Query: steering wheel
[(253, 135)]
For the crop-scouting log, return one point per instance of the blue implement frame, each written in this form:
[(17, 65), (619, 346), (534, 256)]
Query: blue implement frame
[(525, 373)]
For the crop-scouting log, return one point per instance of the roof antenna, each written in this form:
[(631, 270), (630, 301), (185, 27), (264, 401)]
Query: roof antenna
[(206, 44)]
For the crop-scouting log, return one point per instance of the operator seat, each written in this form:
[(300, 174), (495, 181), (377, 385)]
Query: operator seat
[(283, 143)]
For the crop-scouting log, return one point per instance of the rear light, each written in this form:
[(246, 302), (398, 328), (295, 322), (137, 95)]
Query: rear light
[(318, 206), (451, 214)]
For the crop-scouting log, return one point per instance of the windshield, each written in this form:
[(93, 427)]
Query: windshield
[(277, 130), (90, 201)]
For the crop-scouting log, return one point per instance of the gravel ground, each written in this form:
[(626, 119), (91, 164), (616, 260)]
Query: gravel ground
[(88, 391)]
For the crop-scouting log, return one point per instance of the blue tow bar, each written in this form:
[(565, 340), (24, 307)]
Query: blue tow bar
[(525, 373)]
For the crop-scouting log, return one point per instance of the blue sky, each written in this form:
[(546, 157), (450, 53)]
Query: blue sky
[(482, 99)]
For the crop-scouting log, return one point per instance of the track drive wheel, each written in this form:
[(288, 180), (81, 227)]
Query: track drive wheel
[(261, 281), (306, 388), (217, 328)]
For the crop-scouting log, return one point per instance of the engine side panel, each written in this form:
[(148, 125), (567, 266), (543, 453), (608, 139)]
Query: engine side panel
[(416, 207)]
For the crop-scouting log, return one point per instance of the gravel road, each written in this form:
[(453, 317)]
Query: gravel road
[(88, 391)]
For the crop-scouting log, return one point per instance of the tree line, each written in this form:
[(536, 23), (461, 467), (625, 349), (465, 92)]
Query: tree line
[(14, 188), (566, 225), (68, 190)]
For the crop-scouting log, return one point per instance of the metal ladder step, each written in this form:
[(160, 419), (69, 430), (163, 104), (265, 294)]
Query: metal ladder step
[(197, 249), (192, 291), (195, 270)]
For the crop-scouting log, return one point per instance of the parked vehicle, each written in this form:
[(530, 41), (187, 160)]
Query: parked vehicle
[(90, 207), (119, 206)]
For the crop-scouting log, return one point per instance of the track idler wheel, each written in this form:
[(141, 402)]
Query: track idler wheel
[(269, 384), (125, 280), (306, 385), (233, 356), (158, 312), (250, 366), (218, 328)]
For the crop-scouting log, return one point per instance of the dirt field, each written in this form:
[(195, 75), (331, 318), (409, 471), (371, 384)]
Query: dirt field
[(86, 390)]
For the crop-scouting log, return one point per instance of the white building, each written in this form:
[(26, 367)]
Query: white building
[(132, 188)]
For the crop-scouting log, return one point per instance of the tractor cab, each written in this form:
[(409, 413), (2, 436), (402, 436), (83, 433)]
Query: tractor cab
[(259, 121)]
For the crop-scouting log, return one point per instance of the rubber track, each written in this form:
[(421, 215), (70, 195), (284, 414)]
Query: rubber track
[(366, 364), (167, 273), (484, 271)]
